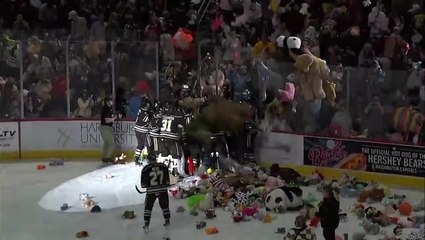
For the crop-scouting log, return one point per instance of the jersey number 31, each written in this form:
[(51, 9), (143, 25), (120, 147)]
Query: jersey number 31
[(166, 125), (156, 178)]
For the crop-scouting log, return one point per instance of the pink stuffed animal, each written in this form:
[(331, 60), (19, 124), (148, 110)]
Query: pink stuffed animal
[(249, 211), (287, 95), (272, 183)]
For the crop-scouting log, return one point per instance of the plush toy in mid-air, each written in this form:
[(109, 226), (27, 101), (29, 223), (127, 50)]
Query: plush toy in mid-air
[(313, 74)]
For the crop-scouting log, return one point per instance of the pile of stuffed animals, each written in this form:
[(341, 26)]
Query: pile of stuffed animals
[(254, 193)]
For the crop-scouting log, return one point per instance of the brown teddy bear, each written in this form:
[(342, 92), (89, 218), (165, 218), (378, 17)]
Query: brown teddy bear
[(314, 78), (374, 194)]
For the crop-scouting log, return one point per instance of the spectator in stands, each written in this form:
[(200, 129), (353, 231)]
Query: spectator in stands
[(98, 28), (78, 26), (375, 119), (47, 15), (20, 25), (85, 104), (112, 27)]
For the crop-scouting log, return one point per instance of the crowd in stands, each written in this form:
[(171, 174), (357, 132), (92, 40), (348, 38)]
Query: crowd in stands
[(377, 44)]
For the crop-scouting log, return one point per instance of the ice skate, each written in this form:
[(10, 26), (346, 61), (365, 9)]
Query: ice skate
[(166, 231), (107, 161), (146, 228)]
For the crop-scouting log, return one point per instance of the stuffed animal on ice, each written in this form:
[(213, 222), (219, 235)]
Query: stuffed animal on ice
[(313, 73), (284, 173), (371, 194), (285, 198), (301, 231)]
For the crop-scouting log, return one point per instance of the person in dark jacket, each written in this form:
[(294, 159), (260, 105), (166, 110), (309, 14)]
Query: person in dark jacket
[(329, 212)]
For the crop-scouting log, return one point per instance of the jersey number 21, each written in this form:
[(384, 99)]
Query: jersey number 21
[(156, 178)]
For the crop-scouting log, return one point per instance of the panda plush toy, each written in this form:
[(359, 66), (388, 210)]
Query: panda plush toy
[(289, 45), (285, 198)]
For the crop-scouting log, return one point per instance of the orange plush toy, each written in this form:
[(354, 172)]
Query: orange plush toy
[(405, 208), (211, 230)]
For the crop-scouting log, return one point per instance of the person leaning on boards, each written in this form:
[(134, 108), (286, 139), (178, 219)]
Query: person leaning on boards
[(107, 118)]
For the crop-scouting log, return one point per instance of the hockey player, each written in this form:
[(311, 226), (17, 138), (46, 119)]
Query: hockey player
[(171, 129), (141, 128), (156, 179)]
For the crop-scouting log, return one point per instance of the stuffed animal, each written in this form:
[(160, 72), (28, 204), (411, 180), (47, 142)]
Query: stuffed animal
[(358, 236), (420, 206), (211, 230), (240, 199), (358, 210), (312, 72), (374, 194), (206, 187), (416, 235), (349, 192), (407, 223), (371, 228), (286, 198), (272, 183), (393, 200), (88, 202), (405, 208), (417, 219), (301, 231), (381, 218), (284, 173), (309, 211), (314, 222)]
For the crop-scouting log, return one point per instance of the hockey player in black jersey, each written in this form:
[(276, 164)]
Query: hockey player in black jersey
[(141, 128), (156, 179)]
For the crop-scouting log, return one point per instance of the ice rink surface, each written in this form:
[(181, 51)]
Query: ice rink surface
[(30, 200)]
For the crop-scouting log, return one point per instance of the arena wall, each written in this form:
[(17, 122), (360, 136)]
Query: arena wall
[(392, 164)]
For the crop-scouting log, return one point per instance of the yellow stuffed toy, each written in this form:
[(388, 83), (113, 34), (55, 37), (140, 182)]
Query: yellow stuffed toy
[(313, 76)]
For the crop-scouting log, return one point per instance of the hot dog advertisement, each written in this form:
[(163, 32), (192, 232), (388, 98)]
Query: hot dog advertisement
[(365, 156)]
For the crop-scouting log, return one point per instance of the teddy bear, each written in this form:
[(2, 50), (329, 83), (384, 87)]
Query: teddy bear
[(206, 187), (313, 77), (374, 194), (312, 72), (284, 173), (88, 202), (272, 183)]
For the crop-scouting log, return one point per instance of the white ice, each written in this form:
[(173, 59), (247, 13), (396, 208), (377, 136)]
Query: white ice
[(116, 190), (22, 218)]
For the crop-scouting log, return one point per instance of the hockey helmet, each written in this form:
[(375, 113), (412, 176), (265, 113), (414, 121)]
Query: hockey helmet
[(151, 156)]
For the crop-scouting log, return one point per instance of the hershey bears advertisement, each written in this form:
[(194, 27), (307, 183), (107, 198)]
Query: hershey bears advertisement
[(366, 156)]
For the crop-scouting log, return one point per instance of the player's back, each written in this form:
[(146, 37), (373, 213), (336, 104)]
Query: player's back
[(172, 124), (143, 117), (155, 178)]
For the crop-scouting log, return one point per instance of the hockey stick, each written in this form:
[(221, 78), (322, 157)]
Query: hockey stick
[(143, 192)]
